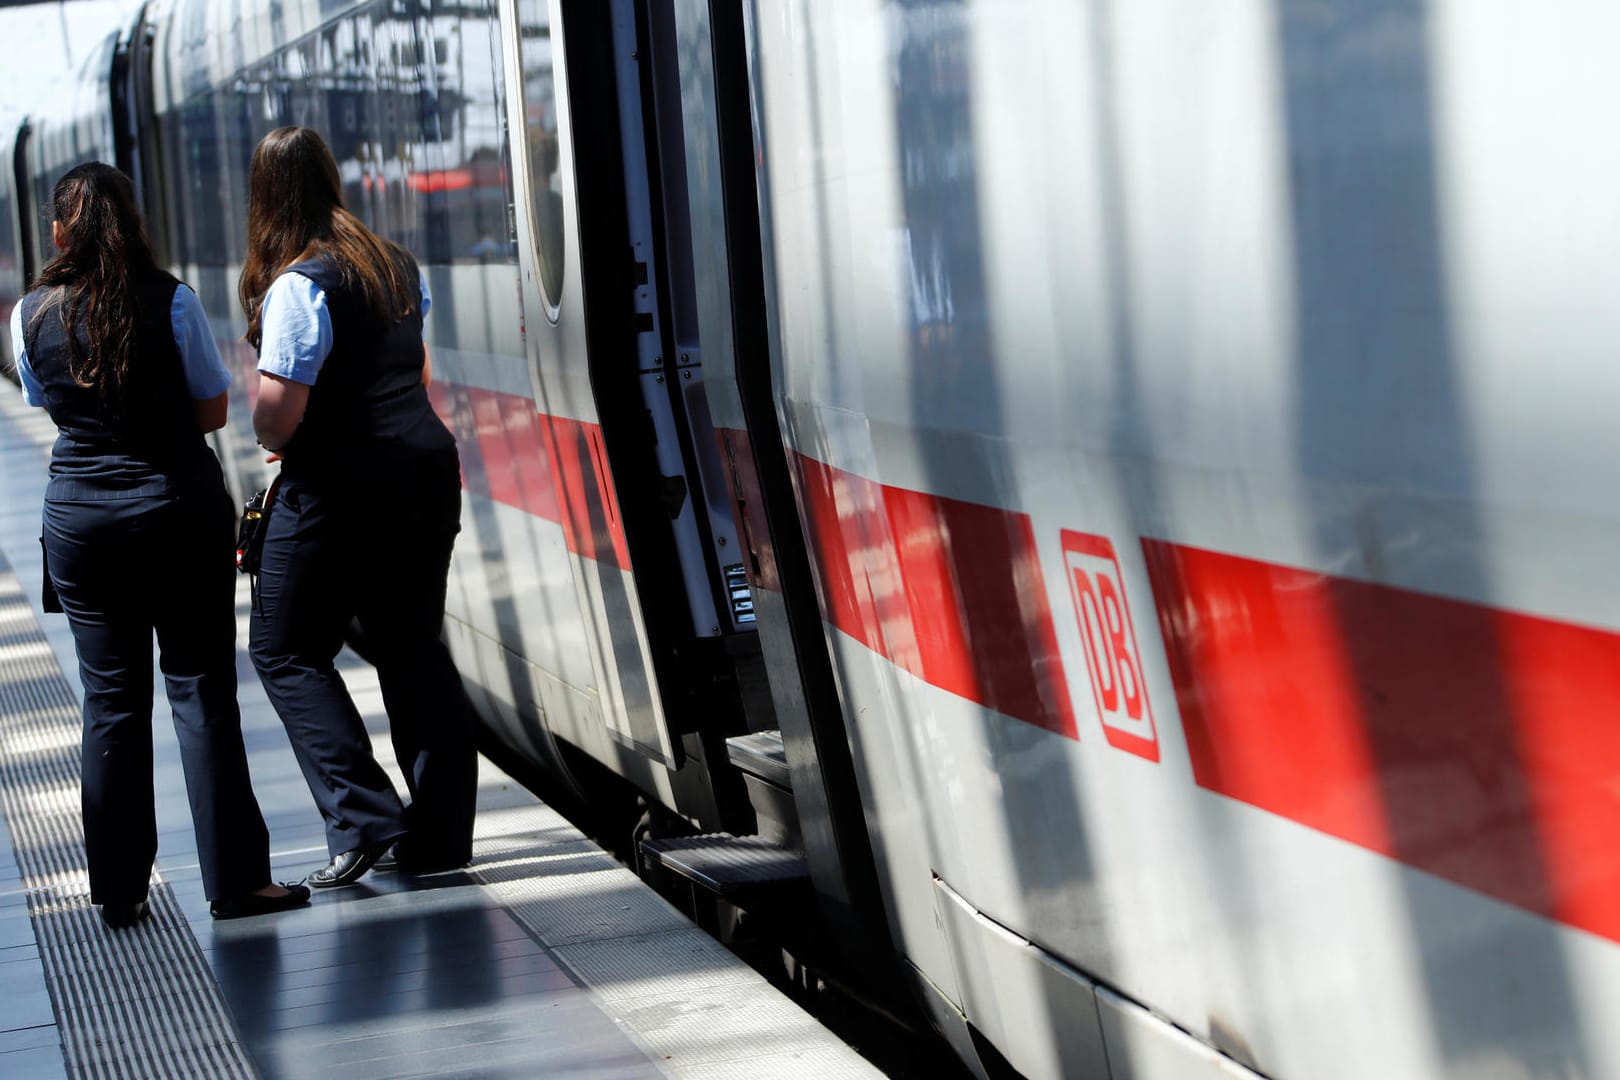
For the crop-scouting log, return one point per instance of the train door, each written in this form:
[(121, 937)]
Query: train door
[(27, 215), (705, 49), (570, 434), (617, 381)]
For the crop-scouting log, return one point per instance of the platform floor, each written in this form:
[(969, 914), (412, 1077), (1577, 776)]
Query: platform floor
[(546, 957)]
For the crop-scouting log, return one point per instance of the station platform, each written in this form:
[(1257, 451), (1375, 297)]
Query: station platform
[(545, 958)]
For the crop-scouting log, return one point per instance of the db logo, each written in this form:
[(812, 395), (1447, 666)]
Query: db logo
[(1109, 640)]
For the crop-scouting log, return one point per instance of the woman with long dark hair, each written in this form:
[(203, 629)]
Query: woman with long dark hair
[(138, 537), (364, 518)]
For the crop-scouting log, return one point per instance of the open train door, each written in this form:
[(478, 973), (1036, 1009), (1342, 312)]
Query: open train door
[(640, 239), (617, 382), (700, 79)]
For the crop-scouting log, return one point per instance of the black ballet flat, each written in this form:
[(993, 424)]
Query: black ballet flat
[(346, 867), (241, 907), (120, 916)]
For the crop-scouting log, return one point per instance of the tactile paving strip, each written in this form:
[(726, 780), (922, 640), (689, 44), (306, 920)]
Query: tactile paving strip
[(132, 1003)]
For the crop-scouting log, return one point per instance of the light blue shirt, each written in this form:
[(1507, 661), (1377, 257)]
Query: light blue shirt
[(296, 327), (206, 374)]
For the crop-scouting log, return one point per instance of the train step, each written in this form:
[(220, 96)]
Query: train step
[(762, 760), (761, 754), (737, 868)]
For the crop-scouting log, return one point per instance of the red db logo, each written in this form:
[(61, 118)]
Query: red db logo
[(1109, 640)]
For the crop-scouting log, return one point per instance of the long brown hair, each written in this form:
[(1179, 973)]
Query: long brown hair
[(295, 212), (93, 279)]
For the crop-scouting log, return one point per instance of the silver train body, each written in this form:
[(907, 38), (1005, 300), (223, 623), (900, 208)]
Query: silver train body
[(1126, 491)]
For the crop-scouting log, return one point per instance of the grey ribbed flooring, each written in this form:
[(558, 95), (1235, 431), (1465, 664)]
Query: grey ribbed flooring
[(138, 1003)]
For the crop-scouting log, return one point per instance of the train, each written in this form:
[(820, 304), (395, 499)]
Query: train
[(1111, 506)]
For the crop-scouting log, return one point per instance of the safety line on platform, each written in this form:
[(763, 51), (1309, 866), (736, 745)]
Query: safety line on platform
[(130, 1003)]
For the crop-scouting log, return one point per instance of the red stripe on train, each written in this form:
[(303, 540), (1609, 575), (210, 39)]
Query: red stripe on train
[(549, 466), (1470, 742), (948, 590), (1466, 741)]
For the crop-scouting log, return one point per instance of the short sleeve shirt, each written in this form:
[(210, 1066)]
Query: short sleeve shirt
[(297, 327), (206, 374)]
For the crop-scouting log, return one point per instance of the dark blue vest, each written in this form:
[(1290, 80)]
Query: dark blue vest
[(368, 403), (140, 439)]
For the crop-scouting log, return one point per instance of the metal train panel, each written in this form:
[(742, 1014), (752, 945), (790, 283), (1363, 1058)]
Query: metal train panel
[(513, 572), (541, 126), (1169, 383)]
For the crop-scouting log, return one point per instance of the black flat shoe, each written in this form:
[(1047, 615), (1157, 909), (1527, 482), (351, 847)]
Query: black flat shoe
[(346, 867), (119, 916), (241, 907)]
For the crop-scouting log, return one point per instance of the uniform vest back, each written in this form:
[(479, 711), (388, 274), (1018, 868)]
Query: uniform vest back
[(141, 439), (368, 400)]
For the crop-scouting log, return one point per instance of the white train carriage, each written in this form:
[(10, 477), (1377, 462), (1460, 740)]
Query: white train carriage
[(1113, 497), (1233, 317)]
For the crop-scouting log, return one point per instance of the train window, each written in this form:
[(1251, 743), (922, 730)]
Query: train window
[(10, 250), (543, 140), (468, 187), (202, 119), (238, 137), (174, 194)]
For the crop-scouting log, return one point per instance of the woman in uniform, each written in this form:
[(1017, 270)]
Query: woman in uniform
[(138, 537), (364, 519)]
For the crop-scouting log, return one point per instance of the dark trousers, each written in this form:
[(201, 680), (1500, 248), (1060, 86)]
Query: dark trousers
[(125, 568), (378, 552)]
